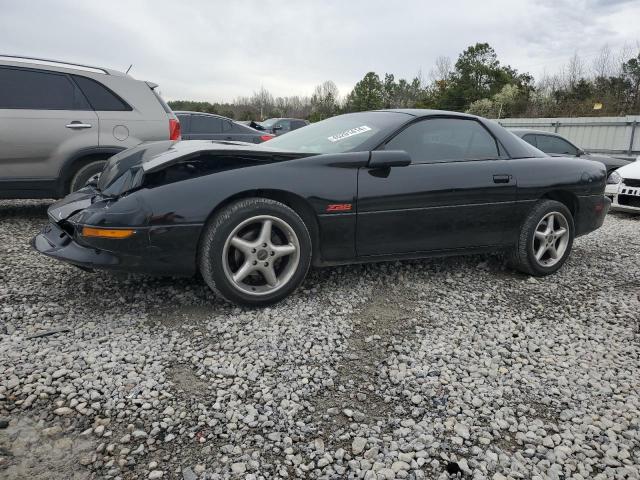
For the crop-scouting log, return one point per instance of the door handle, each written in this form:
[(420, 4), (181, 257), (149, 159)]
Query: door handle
[(76, 125), (501, 178)]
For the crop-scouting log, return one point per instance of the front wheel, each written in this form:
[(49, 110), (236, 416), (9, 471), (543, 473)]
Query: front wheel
[(545, 240), (255, 252), (84, 173)]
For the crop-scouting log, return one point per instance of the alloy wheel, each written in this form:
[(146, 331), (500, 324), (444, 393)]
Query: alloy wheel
[(261, 255), (550, 239)]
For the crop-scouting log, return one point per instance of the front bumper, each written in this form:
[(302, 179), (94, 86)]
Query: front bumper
[(54, 242), (623, 198), (168, 254)]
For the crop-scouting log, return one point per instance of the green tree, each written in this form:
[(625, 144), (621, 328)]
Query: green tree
[(477, 74), (631, 71), (389, 91), (367, 94), (228, 113), (324, 101), (192, 106), (484, 107)]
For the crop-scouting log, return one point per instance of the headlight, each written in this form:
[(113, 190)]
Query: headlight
[(614, 178)]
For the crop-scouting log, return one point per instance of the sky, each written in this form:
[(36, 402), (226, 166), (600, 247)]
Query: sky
[(219, 50)]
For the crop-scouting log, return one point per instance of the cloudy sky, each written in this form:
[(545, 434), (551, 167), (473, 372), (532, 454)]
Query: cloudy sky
[(218, 50)]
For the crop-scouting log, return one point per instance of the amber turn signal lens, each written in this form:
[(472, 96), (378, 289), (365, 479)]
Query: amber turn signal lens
[(107, 232)]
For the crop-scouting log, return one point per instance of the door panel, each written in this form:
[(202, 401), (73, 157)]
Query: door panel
[(35, 143), (435, 206)]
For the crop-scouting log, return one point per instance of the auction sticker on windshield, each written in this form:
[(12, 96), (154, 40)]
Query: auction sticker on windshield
[(348, 133)]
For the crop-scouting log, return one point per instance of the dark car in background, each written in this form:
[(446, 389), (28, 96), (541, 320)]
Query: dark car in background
[(208, 126), (359, 187), (279, 126), (556, 145)]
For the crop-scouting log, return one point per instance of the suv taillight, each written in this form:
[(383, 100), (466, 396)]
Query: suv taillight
[(174, 129)]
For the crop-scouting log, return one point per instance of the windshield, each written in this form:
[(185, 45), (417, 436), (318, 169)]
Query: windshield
[(344, 133), (269, 122)]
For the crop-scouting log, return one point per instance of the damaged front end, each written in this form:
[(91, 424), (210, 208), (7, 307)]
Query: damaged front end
[(111, 222), (71, 236)]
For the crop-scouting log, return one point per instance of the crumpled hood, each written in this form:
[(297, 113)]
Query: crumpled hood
[(180, 150), (125, 170), (72, 203)]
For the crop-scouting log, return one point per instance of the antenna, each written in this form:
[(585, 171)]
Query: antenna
[(129, 68)]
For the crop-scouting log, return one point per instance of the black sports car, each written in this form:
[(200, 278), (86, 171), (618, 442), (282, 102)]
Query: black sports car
[(360, 187)]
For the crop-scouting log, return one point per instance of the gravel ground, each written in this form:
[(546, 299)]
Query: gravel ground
[(447, 368)]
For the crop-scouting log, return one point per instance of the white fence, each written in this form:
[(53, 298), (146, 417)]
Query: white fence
[(618, 136)]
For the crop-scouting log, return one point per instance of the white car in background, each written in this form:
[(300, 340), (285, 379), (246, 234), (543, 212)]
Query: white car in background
[(623, 188)]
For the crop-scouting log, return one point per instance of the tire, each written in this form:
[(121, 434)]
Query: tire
[(236, 264), (523, 257), (84, 173)]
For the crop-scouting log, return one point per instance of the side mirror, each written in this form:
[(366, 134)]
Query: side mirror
[(389, 158), (580, 153)]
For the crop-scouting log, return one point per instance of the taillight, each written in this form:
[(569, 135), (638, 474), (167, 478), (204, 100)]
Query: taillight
[(174, 129), (264, 138)]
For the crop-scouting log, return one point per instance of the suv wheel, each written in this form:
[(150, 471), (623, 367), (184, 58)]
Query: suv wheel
[(545, 241), (255, 252), (84, 173)]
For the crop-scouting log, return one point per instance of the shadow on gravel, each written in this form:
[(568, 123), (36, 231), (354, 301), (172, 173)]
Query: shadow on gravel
[(29, 210)]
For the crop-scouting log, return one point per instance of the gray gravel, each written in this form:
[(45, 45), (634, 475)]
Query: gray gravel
[(447, 368)]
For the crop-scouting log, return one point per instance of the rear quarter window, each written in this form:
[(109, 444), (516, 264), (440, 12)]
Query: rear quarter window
[(530, 139), (100, 97)]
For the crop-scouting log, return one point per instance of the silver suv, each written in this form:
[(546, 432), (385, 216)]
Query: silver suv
[(59, 122)]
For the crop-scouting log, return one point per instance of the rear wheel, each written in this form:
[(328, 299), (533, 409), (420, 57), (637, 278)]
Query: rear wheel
[(545, 239), (255, 252), (84, 173)]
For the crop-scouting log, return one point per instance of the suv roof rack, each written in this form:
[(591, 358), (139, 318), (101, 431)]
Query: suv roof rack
[(58, 63)]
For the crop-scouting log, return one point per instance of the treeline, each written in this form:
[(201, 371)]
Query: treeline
[(476, 83)]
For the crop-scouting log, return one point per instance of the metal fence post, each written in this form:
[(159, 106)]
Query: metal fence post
[(633, 134), (556, 127)]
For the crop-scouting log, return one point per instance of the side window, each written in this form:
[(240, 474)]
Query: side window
[(205, 124), (285, 124), (445, 139), (100, 97), (240, 128), (227, 126), (550, 144), (297, 124), (38, 90), (531, 139)]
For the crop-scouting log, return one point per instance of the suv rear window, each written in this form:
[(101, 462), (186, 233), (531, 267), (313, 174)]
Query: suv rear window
[(100, 97), (36, 90)]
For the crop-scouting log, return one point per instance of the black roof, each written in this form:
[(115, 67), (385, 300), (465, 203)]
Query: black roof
[(425, 112)]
